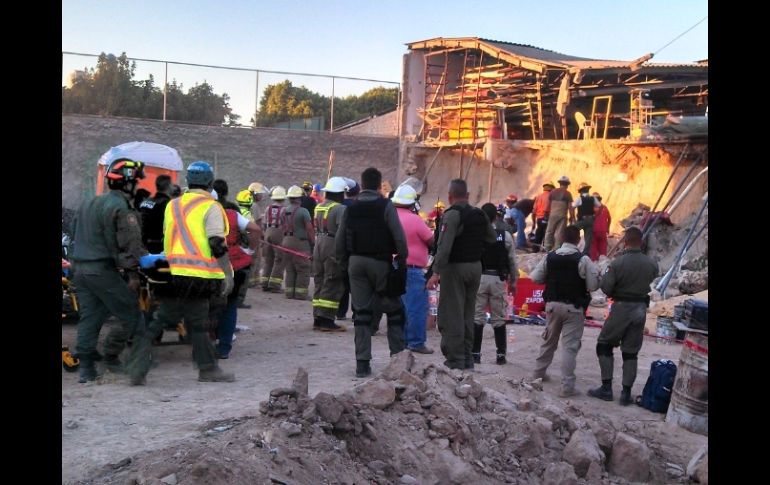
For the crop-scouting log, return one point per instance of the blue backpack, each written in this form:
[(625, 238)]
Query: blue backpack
[(657, 390)]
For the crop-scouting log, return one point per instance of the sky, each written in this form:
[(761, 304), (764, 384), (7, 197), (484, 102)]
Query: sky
[(363, 38)]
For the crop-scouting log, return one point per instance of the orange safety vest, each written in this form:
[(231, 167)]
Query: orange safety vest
[(185, 243)]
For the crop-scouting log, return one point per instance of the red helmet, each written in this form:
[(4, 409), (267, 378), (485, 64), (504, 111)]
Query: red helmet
[(123, 172)]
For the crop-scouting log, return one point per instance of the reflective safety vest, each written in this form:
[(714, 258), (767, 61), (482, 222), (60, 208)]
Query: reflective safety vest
[(185, 242), (245, 211), (274, 215), (322, 216)]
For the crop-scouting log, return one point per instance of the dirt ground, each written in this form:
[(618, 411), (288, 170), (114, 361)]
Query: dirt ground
[(108, 421)]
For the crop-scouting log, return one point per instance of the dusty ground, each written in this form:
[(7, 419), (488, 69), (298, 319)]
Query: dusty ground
[(109, 421)]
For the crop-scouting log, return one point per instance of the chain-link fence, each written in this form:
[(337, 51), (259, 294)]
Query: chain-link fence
[(181, 91)]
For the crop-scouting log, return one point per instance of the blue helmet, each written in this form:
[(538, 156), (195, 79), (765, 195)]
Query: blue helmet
[(200, 173)]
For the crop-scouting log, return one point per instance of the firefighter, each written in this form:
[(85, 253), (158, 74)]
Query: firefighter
[(272, 280), (327, 273), (298, 239)]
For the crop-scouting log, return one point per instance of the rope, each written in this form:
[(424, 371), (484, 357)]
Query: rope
[(287, 250)]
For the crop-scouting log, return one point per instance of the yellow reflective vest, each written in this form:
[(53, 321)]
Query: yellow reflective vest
[(185, 243)]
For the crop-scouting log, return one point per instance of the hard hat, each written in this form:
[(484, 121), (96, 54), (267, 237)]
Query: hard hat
[(306, 185), (294, 191), (244, 198), (200, 173), (564, 180), (596, 194), (500, 209), (439, 204), (511, 198), (257, 188), (405, 195), (122, 171), (335, 185), (583, 186), (549, 186), (278, 193), (317, 187)]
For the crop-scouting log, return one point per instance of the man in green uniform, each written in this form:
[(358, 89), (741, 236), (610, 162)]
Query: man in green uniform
[(627, 282), (107, 241), (272, 275), (463, 232), (195, 226), (368, 236), (327, 273)]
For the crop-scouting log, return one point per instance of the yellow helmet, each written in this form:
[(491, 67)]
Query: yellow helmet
[(278, 193), (244, 198), (295, 191)]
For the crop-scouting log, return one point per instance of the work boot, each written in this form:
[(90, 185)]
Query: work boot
[(501, 342), (87, 370), (328, 325), (215, 374), (568, 392), (138, 380), (625, 397), (604, 392), (113, 364), (476, 357), (362, 368), (243, 305)]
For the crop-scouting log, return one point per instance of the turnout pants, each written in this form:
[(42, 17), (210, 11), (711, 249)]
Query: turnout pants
[(327, 279), (272, 276), (297, 268)]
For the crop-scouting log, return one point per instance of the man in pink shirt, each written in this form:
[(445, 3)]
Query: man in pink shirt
[(418, 240)]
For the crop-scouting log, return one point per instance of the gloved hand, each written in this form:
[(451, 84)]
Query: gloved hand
[(227, 286), (133, 281), (248, 251)]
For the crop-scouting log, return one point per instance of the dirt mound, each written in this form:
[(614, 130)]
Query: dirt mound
[(411, 424)]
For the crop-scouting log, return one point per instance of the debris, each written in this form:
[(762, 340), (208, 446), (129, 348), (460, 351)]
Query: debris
[(581, 451), (300, 383), (559, 474), (376, 393), (328, 407), (630, 458), (399, 363), (291, 429), (169, 479), (71, 425)]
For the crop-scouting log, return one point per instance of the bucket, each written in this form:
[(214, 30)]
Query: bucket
[(665, 328), (689, 406)]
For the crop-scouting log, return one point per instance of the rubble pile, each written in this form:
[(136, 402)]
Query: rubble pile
[(413, 423)]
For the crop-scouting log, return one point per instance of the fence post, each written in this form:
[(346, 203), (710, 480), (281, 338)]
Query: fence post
[(331, 119), (256, 102), (165, 92)]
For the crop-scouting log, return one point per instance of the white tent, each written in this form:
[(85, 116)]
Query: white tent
[(152, 154)]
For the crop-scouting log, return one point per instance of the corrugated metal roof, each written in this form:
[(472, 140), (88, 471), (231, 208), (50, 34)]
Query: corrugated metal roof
[(548, 57)]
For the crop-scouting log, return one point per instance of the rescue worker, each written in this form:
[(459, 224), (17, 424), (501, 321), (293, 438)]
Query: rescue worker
[(107, 245), (419, 239), (627, 281), (244, 199), (272, 279), (308, 202), (586, 205), (258, 206), (298, 237), (540, 211), (367, 238), (569, 277), (195, 228), (240, 259), (464, 230), (327, 273), (560, 206), (152, 211), (498, 266), (602, 222)]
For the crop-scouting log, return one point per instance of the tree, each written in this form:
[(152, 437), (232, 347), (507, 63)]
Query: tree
[(109, 89), (283, 102)]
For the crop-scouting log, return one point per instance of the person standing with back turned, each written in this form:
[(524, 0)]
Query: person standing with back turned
[(464, 230), (367, 238)]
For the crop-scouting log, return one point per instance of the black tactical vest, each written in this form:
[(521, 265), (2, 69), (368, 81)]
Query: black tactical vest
[(586, 207), (563, 282), (469, 244), (366, 232), (495, 257)]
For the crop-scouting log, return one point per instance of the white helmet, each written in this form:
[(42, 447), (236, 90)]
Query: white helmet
[(278, 193), (295, 191), (405, 195), (336, 184)]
